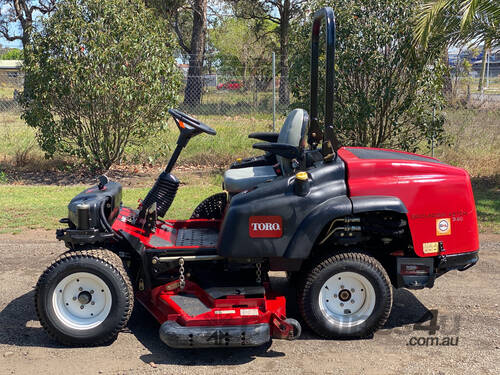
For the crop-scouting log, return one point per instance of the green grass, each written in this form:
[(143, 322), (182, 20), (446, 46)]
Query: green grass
[(230, 142), (7, 92), (41, 207), (18, 146), (487, 197), (473, 141)]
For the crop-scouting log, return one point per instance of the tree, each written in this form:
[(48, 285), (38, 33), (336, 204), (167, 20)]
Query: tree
[(243, 46), (101, 75), (194, 84), (460, 22), (385, 92), (12, 54), (281, 12), (23, 14), (179, 14)]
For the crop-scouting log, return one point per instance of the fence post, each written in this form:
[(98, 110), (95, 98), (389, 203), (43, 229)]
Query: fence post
[(488, 70), (274, 92)]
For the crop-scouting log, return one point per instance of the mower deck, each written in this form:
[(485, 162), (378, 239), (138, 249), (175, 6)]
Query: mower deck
[(228, 316), (191, 316)]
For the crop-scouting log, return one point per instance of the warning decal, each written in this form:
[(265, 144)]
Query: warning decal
[(443, 227)]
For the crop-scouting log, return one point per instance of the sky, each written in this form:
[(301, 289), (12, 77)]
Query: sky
[(4, 42)]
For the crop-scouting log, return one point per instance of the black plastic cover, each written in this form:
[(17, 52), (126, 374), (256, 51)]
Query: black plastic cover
[(377, 203), (93, 198), (277, 198), (266, 137)]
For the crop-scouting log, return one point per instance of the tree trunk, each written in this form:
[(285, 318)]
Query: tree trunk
[(284, 92), (483, 68), (26, 40), (194, 84)]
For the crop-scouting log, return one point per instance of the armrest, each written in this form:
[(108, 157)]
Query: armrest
[(266, 137), (281, 149)]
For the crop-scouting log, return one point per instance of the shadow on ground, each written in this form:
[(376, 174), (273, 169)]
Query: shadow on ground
[(19, 327)]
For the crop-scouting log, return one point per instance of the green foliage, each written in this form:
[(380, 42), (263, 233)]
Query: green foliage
[(458, 22), (244, 46), (3, 177), (99, 75), (41, 206), (385, 92), (12, 54)]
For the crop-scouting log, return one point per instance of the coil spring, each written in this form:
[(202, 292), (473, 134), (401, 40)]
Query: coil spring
[(163, 193)]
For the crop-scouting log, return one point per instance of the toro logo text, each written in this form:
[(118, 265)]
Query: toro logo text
[(265, 226)]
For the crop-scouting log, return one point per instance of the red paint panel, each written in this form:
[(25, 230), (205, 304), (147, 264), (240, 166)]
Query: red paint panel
[(430, 191), (265, 226)]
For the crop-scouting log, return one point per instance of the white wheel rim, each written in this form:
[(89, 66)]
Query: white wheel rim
[(347, 299), (82, 301)]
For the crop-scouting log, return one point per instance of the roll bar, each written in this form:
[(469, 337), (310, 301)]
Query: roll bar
[(330, 142)]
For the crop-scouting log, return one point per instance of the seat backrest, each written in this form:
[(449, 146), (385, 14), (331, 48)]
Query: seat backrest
[(293, 132)]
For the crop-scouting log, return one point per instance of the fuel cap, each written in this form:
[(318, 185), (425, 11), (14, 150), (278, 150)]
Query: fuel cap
[(302, 176)]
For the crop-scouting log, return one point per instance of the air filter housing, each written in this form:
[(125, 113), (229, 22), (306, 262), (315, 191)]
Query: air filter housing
[(163, 193)]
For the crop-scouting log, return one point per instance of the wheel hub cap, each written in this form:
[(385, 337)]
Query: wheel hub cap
[(344, 295), (347, 299), (82, 301), (84, 297)]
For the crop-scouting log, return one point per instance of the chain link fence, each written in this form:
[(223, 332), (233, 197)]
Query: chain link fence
[(211, 95), (226, 95), (465, 78), (11, 84)]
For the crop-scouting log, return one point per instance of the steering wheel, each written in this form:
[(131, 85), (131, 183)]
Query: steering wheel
[(184, 121)]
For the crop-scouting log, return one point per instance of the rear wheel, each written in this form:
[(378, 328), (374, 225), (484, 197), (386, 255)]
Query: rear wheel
[(84, 298), (345, 296)]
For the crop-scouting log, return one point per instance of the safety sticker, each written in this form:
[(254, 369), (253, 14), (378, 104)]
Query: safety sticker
[(443, 227), (249, 312), (225, 312), (431, 247)]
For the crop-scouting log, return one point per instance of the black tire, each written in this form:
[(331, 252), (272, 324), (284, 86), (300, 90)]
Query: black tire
[(321, 319), (212, 207), (106, 267)]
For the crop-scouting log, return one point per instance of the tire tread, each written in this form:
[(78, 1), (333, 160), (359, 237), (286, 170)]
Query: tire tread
[(111, 260), (320, 263)]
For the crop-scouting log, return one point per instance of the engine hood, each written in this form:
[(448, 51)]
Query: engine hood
[(433, 192), (385, 167)]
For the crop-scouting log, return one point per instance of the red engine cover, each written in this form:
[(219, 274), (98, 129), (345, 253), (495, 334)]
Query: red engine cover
[(438, 197)]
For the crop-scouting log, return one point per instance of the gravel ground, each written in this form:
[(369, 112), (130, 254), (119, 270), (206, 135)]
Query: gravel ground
[(467, 304)]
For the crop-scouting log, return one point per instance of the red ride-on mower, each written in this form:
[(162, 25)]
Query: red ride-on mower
[(346, 224)]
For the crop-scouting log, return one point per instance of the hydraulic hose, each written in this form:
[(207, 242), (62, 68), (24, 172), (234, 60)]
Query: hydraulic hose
[(104, 221)]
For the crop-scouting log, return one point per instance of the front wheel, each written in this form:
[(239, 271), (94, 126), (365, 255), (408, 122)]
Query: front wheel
[(84, 298), (347, 295)]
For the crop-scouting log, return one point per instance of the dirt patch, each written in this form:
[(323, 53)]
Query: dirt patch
[(127, 175)]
